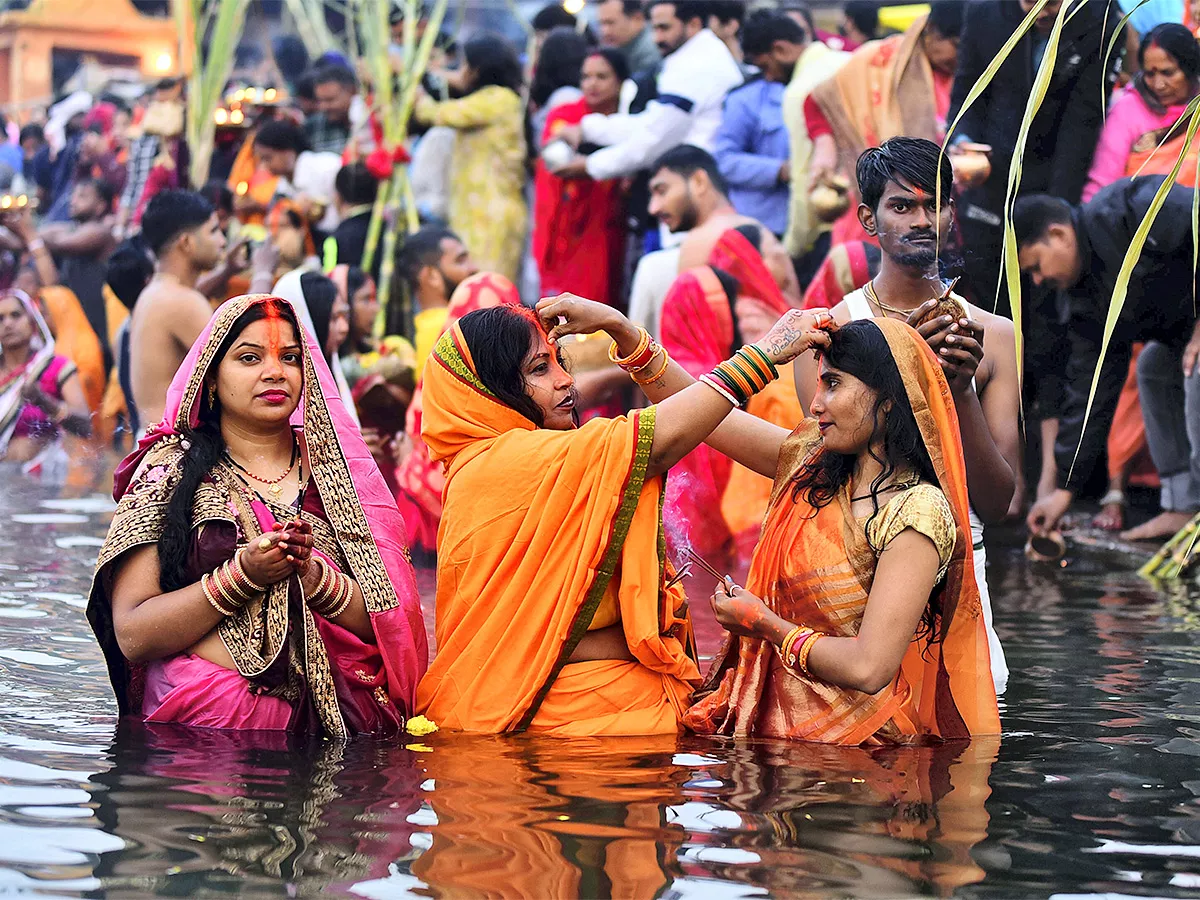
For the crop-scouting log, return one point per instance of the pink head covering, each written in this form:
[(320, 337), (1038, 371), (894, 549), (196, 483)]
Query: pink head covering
[(372, 533), (101, 116)]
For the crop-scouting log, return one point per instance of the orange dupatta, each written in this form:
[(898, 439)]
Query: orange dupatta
[(74, 339), (535, 526), (815, 566)]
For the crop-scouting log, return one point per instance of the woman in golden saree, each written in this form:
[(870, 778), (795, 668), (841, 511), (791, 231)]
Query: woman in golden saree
[(861, 622)]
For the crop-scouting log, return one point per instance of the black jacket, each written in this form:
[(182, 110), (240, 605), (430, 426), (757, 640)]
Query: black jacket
[(1063, 135), (1158, 306)]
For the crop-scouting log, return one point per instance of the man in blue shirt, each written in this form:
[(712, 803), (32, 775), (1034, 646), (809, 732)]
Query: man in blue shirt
[(751, 146)]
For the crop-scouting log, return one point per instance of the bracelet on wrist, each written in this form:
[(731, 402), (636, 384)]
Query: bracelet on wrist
[(639, 358), (658, 375)]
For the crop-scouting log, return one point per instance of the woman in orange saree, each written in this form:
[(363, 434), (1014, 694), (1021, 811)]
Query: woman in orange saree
[(557, 610), (862, 621)]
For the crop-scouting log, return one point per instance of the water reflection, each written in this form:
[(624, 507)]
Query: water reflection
[(1094, 788)]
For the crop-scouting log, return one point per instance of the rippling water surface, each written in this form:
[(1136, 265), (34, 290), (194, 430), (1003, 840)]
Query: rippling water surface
[(1092, 789)]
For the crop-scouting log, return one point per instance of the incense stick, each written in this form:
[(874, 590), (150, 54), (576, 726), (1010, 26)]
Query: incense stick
[(699, 560)]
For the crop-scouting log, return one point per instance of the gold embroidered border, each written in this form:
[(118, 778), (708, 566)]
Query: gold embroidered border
[(644, 422), (447, 352)]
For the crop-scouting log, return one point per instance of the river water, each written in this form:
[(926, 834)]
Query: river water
[(1092, 790)]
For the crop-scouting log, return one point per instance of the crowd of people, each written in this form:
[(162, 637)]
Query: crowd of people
[(770, 270)]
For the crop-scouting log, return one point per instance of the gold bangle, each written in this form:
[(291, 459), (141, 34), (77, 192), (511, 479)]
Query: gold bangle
[(206, 587), (623, 361), (805, 650), (784, 646), (239, 571)]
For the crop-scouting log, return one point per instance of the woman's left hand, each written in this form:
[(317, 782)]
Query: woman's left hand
[(299, 544), (796, 332), (739, 611), (582, 317), (33, 393)]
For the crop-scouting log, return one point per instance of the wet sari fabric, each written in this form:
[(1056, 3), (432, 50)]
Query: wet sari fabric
[(537, 527), (816, 568), (330, 681)]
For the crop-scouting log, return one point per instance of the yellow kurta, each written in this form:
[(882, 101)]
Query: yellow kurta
[(487, 206)]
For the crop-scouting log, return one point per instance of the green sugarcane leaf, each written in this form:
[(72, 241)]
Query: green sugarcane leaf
[(1011, 267), (1112, 42), (1132, 255)]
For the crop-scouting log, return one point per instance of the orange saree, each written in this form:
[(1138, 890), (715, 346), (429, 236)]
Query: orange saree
[(886, 88), (539, 530), (816, 567)]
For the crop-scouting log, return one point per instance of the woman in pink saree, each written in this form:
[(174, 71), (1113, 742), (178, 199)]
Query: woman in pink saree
[(255, 575)]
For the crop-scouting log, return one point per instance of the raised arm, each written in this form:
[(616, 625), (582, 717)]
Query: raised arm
[(689, 412)]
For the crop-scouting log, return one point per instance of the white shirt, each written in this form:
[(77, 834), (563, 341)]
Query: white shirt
[(691, 92), (652, 279), (314, 175)]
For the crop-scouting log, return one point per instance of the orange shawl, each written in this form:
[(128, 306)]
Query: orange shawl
[(816, 567), (535, 526), (74, 339), (885, 89)]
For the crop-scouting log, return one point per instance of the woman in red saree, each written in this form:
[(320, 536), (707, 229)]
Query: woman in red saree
[(420, 480), (255, 574), (578, 226), (708, 314), (862, 622)]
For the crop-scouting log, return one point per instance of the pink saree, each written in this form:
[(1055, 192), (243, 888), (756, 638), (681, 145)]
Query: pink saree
[(295, 670)]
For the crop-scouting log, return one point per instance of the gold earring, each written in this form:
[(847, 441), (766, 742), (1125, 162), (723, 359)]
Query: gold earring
[(212, 395)]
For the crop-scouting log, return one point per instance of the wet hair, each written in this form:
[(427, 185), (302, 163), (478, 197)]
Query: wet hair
[(495, 62), (129, 270), (946, 18), (169, 214), (334, 74), (686, 160), (421, 248), (864, 14), (861, 349), (559, 64), (1177, 42), (615, 58), (1034, 214), (320, 295), (904, 160), (355, 184), (499, 339), (199, 459), (281, 135), (685, 10), (552, 16), (762, 29)]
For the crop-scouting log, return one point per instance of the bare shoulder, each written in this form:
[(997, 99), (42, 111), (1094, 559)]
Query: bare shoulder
[(841, 313)]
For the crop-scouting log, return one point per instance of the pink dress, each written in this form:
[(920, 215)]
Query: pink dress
[(1128, 119)]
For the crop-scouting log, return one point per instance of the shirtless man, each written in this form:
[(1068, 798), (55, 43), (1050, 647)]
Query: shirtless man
[(182, 231), (897, 183), (688, 193)]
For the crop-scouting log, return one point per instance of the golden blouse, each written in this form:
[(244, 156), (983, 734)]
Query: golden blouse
[(924, 509)]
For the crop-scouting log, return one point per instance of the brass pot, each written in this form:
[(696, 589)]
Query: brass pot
[(971, 164), (830, 199)]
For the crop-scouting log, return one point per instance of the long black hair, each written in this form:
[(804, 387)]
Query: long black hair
[(203, 453), (860, 349), (499, 339), (560, 64), (320, 296), (495, 62)]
